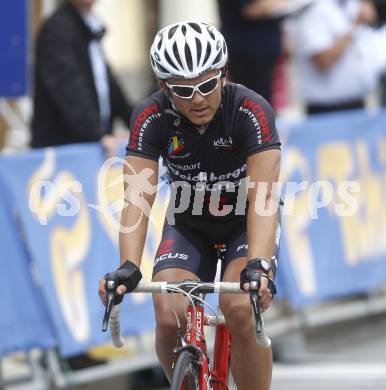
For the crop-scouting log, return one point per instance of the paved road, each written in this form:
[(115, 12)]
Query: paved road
[(345, 357), (349, 356), (330, 376)]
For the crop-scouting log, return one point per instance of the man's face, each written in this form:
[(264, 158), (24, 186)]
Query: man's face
[(199, 109)]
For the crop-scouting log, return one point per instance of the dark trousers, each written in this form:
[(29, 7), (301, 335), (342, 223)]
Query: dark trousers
[(255, 74), (321, 109), (382, 84)]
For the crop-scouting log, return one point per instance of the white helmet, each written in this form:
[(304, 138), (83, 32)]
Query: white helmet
[(187, 50)]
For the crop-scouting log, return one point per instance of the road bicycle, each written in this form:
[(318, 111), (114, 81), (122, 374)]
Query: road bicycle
[(192, 369)]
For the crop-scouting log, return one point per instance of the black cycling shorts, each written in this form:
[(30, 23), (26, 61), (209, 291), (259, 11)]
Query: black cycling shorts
[(189, 244)]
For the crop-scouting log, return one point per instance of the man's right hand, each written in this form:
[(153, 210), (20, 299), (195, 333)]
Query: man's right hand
[(126, 278)]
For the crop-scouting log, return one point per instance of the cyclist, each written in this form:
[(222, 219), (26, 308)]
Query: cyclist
[(219, 142)]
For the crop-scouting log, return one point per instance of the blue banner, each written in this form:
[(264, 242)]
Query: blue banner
[(13, 48), (70, 232), (334, 219), (24, 321)]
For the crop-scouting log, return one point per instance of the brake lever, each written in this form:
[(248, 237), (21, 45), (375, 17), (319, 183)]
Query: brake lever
[(261, 336), (110, 288), (254, 297)]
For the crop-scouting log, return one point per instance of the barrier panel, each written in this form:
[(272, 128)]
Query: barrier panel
[(334, 227), (24, 322), (13, 48), (71, 240), (67, 201)]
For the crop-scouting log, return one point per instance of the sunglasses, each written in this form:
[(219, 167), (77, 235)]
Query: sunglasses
[(187, 91)]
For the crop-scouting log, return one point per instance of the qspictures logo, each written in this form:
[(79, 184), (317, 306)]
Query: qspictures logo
[(140, 187)]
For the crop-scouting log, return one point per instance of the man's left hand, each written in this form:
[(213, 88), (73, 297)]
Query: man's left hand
[(267, 288)]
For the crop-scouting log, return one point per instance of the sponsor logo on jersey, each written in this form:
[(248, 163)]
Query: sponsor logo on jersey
[(225, 143), (176, 144), (211, 177), (259, 113), (185, 167), (141, 122)]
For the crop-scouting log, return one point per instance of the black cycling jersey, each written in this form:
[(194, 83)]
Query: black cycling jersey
[(216, 159)]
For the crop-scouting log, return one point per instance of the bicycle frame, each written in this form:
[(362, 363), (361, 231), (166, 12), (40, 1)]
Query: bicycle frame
[(195, 336), (221, 357), (218, 375)]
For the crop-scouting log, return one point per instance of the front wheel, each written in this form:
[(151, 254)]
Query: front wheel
[(185, 375)]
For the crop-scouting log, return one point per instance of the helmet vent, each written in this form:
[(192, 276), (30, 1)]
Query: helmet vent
[(183, 29), (199, 48), (207, 53), (161, 68), (211, 33), (172, 32), (188, 57), (176, 54), (169, 60), (217, 59), (195, 27)]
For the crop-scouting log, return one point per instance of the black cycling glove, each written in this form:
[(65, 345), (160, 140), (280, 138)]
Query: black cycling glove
[(128, 274), (252, 273)]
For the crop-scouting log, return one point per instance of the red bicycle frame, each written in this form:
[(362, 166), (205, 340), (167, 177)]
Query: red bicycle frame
[(221, 357), (218, 375)]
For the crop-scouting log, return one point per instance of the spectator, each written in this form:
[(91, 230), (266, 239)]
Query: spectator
[(76, 95), (254, 41), (339, 55), (3, 132), (382, 86)]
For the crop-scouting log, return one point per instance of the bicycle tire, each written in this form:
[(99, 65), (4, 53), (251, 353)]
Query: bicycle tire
[(185, 375)]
